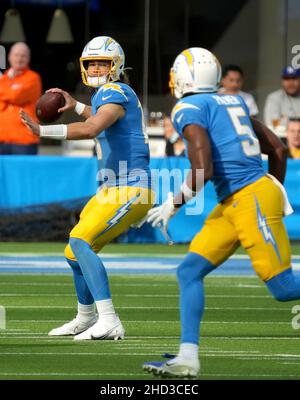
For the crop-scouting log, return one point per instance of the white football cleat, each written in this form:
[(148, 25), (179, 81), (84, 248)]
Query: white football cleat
[(73, 327), (176, 367), (103, 329)]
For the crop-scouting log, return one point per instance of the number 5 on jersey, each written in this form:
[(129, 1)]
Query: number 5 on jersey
[(251, 145)]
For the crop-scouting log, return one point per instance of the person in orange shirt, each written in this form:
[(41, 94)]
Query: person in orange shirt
[(20, 88)]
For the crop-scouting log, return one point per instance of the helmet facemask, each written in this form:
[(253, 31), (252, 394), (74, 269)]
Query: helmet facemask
[(99, 79), (102, 48), (171, 81)]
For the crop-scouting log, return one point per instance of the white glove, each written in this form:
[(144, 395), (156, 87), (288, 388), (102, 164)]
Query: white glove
[(159, 216)]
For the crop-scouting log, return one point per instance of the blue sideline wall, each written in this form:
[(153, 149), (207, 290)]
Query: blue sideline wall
[(39, 180)]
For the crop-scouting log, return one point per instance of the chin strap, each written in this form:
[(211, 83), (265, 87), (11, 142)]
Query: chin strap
[(96, 80)]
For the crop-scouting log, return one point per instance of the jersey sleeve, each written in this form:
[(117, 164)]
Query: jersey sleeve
[(184, 114), (111, 93)]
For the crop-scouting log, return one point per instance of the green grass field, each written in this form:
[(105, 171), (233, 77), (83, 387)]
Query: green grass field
[(245, 333), (138, 249)]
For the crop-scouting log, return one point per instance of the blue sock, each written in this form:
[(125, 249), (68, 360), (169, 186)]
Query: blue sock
[(84, 295), (285, 286), (190, 274), (92, 268)]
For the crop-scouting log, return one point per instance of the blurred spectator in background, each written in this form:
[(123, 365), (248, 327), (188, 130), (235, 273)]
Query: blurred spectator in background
[(232, 83), (174, 143), (293, 137), (285, 102), (19, 88)]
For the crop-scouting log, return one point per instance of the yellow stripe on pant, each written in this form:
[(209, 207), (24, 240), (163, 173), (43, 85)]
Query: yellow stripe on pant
[(251, 217), (109, 213)]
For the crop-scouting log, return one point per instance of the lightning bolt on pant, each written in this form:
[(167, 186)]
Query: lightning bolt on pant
[(108, 214), (252, 218)]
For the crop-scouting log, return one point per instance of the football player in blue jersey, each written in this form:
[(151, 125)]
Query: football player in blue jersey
[(222, 140), (115, 121)]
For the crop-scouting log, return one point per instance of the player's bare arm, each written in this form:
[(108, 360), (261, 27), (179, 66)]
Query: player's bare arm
[(107, 115), (72, 104), (272, 146), (199, 153), (104, 118)]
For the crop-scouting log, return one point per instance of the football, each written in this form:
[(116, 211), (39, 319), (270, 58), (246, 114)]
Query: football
[(48, 105)]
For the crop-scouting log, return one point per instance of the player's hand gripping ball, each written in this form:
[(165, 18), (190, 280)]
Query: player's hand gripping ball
[(48, 105)]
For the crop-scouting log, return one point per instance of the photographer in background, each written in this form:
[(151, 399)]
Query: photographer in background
[(232, 83)]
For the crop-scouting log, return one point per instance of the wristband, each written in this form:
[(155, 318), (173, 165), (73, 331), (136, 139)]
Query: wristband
[(54, 131), (187, 192), (79, 108)]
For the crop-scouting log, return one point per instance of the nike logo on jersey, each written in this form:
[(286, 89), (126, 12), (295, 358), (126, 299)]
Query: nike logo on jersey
[(106, 97), (182, 106), (179, 118)]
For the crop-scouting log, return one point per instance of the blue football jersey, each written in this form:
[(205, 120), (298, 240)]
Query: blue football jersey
[(236, 154), (122, 149)]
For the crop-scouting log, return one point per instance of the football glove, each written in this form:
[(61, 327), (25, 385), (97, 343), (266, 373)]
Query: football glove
[(159, 216)]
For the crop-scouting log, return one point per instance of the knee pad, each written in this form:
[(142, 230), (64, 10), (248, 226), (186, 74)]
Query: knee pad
[(193, 267), (78, 245), (75, 266), (284, 286)]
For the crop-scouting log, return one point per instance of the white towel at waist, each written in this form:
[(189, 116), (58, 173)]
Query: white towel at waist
[(287, 208)]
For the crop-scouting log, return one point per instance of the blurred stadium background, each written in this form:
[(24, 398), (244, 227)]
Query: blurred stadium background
[(41, 196), (37, 203)]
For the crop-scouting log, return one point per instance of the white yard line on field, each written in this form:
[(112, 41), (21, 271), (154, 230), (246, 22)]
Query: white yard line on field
[(163, 285), (154, 295), (99, 374), (164, 322), (119, 255), (246, 375), (46, 338), (116, 374), (158, 308)]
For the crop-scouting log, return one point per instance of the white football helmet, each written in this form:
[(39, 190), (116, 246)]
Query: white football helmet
[(102, 48), (195, 70)]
